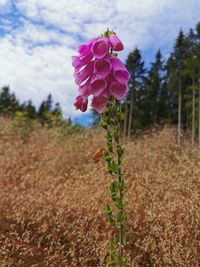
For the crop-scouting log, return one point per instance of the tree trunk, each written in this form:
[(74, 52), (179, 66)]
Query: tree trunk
[(130, 115), (179, 112), (125, 117), (193, 111), (199, 115)]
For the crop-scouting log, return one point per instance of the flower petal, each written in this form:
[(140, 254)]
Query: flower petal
[(82, 75), (100, 47), (102, 68), (84, 48), (81, 103), (122, 76), (97, 87), (116, 43), (99, 103), (118, 90), (78, 61)]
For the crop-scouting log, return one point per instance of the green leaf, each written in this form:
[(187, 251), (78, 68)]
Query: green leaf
[(120, 203), (109, 136), (121, 217), (111, 259), (103, 124), (113, 167), (108, 209), (107, 158), (112, 247), (109, 147), (120, 116), (116, 136), (111, 220), (120, 151), (113, 190), (122, 185), (121, 260)]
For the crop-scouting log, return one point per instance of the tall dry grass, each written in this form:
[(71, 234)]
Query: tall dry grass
[(52, 194)]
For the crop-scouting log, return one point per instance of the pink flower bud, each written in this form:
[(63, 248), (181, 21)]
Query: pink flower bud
[(116, 43), (81, 103)]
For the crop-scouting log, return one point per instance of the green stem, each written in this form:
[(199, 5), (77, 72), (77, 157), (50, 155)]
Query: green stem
[(121, 230), (111, 121)]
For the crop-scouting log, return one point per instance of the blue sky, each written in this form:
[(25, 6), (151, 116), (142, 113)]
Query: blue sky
[(38, 38)]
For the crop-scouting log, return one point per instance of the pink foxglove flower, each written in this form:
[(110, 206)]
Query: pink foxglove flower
[(116, 43), (81, 103), (99, 73)]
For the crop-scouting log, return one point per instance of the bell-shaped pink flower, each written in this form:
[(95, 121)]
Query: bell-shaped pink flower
[(100, 48), (122, 76), (81, 103), (85, 48), (78, 61), (99, 103), (97, 87), (119, 71), (102, 68), (118, 90), (116, 43), (81, 75), (84, 89)]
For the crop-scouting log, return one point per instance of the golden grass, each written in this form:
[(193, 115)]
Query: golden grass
[(52, 194)]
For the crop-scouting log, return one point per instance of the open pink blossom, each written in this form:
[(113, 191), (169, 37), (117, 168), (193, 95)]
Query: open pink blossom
[(81, 103), (79, 61), (119, 71), (100, 48), (102, 68), (84, 89), (116, 43), (99, 103), (84, 48), (81, 76), (97, 87), (118, 90)]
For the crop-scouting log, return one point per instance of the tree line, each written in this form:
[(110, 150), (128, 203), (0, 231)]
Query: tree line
[(167, 92), (47, 114)]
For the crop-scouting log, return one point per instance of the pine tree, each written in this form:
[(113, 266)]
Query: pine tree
[(30, 110), (135, 66), (8, 102), (156, 96), (175, 70), (190, 69)]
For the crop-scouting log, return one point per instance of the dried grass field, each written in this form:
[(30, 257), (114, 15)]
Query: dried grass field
[(52, 194)]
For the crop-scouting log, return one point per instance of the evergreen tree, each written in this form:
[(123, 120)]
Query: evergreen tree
[(8, 102), (49, 103), (191, 70), (156, 96), (133, 107), (30, 110), (175, 67)]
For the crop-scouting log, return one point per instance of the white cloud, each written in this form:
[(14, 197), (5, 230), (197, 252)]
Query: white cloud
[(36, 56)]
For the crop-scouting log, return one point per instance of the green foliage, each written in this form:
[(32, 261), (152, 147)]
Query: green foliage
[(22, 125), (8, 102), (25, 115)]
